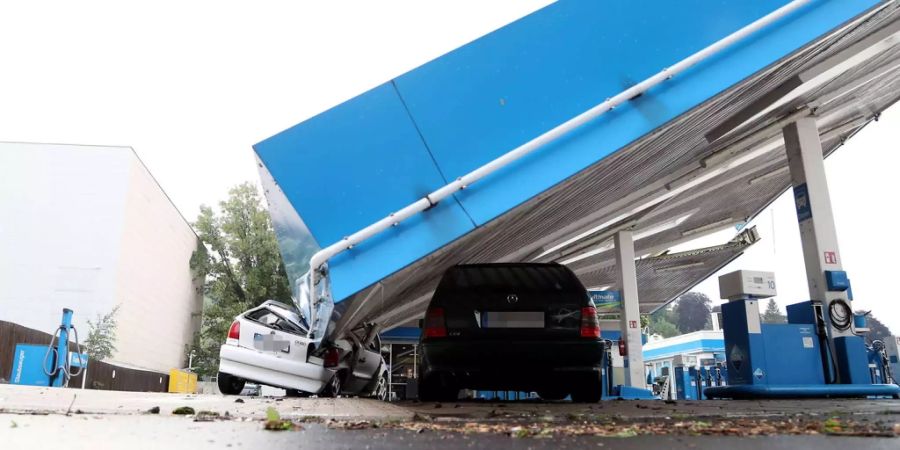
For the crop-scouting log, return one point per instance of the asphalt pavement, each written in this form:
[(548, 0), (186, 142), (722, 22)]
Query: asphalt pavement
[(39, 417)]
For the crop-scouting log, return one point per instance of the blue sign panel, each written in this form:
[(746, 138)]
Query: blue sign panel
[(607, 302), (27, 365), (76, 361), (801, 202)]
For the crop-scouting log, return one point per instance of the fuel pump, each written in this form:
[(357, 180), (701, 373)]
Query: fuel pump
[(608, 345), (883, 372), (818, 353)]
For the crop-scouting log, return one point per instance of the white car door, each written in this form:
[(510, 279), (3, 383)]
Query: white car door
[(368, 358)]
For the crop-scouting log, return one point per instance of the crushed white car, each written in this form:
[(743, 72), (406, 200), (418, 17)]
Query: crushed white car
[(269, 345)]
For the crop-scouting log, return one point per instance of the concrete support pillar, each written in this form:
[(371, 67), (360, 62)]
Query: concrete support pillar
[(630, 319), (815, 217)]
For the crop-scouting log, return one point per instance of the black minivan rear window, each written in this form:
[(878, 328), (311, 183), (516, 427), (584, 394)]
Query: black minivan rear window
[(501, 277)]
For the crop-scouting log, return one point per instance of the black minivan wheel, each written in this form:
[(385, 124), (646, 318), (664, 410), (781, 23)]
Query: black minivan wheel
[(552, 394), (438, 387), (588, 389)]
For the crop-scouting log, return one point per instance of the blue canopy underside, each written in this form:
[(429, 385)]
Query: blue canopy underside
[(374, 154)]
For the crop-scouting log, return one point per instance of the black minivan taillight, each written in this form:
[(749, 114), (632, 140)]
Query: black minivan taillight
[(435, 323), (590, 325)]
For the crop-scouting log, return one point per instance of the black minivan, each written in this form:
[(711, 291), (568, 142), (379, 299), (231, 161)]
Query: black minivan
[(511, 326)]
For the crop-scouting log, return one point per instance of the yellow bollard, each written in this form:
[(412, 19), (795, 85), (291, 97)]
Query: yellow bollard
[(183, 382)]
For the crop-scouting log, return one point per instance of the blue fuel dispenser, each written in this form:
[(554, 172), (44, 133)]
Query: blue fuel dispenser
[(790, 360), (686, 387)]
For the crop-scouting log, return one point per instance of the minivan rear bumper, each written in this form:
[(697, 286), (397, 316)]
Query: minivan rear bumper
[(486, 364)]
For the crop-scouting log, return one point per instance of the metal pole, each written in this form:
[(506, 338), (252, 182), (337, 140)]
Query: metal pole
[(62, 349), (630, 321), (390, 371), (818, 235)]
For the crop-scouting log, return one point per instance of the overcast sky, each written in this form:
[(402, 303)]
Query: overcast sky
[(192, 85)]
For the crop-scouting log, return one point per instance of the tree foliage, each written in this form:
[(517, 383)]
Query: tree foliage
[(878, 331), (773, 314), (662, 323), (241, 265), (101, 339), (692, 312)]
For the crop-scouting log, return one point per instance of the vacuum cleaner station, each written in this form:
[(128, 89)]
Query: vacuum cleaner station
[(597, 136)]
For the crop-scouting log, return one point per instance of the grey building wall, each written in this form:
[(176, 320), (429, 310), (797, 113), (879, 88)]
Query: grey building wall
[(88, 228)]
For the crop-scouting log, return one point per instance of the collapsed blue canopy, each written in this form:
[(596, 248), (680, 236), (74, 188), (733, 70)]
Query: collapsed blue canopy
[(363, 159)]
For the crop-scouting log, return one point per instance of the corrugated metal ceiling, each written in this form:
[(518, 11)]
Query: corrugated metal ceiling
[(642, 170)]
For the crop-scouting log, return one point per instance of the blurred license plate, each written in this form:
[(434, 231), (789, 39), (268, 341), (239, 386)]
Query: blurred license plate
[(512, 319), (270, 343)]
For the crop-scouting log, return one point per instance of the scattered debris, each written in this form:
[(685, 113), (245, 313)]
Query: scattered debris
[(832, 425), (154, 410), (69, 411), (603, 426), (274, 422), (240, 400), (184, 411), (359, 425), (13, 424), (206, 416)]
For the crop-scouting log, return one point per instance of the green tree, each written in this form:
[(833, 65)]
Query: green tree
[(101, 339), (661, 323), (877, 330), (692, 312), (241, 267), (773, 314)]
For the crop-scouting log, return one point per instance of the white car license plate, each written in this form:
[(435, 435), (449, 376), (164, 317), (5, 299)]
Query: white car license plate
[(512, 319), (270, 343)]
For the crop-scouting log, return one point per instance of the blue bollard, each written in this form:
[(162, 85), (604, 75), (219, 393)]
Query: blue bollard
[(62, 350), (59, 370)]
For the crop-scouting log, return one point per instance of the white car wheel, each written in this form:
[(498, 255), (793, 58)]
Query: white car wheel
[(334, 386), (381, 389)]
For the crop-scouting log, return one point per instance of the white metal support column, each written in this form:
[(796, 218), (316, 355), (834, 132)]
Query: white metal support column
[(817, 232), (630, 318)]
